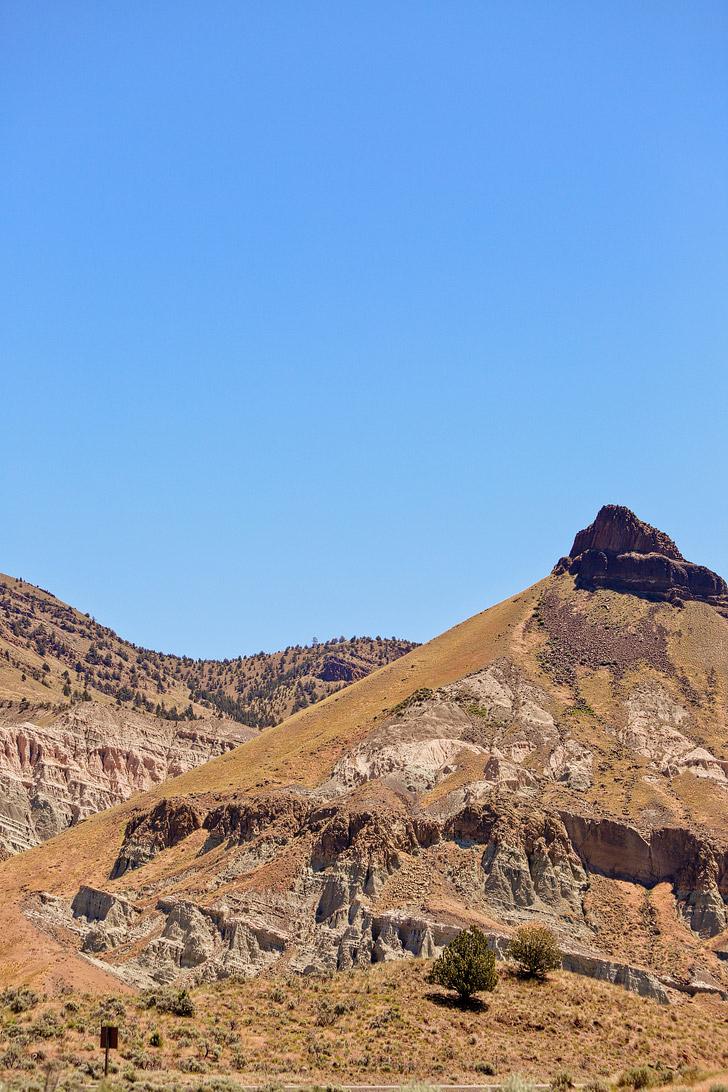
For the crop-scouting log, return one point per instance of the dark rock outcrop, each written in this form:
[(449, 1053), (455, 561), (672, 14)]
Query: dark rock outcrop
[(617, 530), (167, 823), (695, 865), (281, 816), (620, 552), (339, 669)]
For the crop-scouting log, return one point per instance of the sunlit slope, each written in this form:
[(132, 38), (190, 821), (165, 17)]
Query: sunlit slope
[(302, 749), (590, 653)]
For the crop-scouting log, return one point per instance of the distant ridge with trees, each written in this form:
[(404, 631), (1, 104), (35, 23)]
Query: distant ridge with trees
[(52, 654)]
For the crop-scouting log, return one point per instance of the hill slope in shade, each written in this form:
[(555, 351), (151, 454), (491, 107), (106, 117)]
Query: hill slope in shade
[(561, 756)]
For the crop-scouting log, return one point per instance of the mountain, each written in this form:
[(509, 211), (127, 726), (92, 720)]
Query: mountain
[(561, 756), (54, 656), (87, 719)]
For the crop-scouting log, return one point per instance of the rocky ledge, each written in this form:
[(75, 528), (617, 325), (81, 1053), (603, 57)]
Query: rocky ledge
[(620, 552), (373, 878)]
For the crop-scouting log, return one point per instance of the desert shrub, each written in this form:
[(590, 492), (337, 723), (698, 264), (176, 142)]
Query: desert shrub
[(645, 1076), (184, 1035), (277, 995), (325, 1015), (561, 1082), (91, 1068), (225, 1037), (155, 1039), (46, 1026), (718, 1088), (467, 965), (636, 1077), (533, 947), (485, 1067), (219, 1084), (181, 1003), (178, 1002), (210, 1050), (596, 1086), (191, 1065), (239, 1059), (639, 1077), (18, 1033), (690, 1073), (19, 999), (141, 1060), (13, 1057), (516, 1082), (52, 1072), (110, 1007), (386, 1016), (327, 1012)]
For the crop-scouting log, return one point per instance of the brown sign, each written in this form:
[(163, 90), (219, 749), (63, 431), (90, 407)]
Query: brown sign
[(110, 1038)]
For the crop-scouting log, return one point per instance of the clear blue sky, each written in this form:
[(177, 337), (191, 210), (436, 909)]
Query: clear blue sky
[(343, 317)]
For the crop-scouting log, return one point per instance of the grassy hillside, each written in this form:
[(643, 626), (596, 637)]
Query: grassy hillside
[(352, 1029), (53, 654), (302, 749), (589, 651)]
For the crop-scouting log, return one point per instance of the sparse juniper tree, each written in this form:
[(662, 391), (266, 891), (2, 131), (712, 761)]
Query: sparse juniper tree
[(467, 965), (533, 947)]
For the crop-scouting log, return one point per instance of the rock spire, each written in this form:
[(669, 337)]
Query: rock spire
[(621, 552)]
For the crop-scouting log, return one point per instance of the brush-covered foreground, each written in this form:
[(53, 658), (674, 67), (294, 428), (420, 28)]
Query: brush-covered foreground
[(385, 1025)]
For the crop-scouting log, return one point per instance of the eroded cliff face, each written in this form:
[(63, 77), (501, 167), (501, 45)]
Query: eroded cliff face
[(297, 881), (452, 809), (56, 770)]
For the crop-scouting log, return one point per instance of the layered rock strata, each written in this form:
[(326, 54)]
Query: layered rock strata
[(55, 771), (501, 857)]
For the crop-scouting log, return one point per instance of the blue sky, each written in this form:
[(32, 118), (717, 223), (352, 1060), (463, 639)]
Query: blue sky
[(330, 317)]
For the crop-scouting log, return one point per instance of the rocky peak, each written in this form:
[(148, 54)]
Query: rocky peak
[(621, 552), (617, 530)]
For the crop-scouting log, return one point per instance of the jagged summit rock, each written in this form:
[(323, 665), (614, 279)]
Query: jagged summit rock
[(617, 530), (619, 551)]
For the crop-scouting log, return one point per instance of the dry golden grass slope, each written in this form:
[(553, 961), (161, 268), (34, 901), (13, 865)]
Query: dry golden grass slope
[(303, 749), (589, 651), (384, 1025)]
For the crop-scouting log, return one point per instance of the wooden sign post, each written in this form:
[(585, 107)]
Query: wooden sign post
[(109, 1041)]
